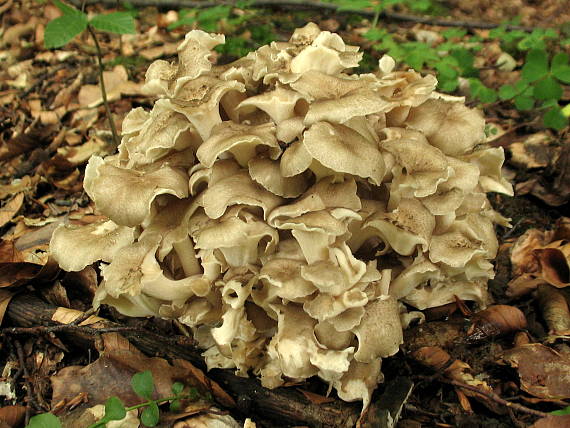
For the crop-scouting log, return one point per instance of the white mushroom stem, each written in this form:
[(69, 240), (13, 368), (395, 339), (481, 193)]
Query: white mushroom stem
[(187, 255)]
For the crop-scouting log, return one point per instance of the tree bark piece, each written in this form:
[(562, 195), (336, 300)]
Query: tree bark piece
[(284, 405)]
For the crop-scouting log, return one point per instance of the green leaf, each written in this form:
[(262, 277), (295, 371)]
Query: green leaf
[(375, 34), (66, 9), (45, 420), (150, 415), (143, 384), (554, 119), (344, 5), (523, 102), (536, 66), (506, 92), (177, 388), (114, 409), (448, 85), (454, 33), (561, 412), (547, 89), (175, 406), (62, 30), (566, 111), (562, 73), (116, 22)]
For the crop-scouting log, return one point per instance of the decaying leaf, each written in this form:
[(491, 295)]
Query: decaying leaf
[(111, 375), (543, 372), (496, 320)]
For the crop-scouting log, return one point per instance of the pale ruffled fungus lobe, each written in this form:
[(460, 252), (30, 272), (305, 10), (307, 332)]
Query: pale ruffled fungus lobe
[(290, 211)]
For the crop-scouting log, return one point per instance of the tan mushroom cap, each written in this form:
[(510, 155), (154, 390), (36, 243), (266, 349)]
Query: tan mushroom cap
[(407, 227), (284, 275), (419, 273), (279, 104), (424, 167), (202, 177), (194, 53), (359, 381), (199, 100), (134, 121), (164, 130), (380, 331), (489, 161), (158, 78), (295, 160), (314, 85), (125, 195), (242, 141), (440, 293), (328, 336), (74, 247), (451, 127), (268, 173), (355, 104), (237, 237), (236, 189), (455, 248), (343, 150)]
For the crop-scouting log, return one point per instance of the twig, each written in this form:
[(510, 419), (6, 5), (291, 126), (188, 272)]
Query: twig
[(38, 330), (311, 4), (496, 398), (22, 362), (102, 83)]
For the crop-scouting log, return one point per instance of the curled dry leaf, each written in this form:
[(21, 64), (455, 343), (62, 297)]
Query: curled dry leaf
[(12, 416), (540, 257), (496, 320), (438, 359), (543, 372)]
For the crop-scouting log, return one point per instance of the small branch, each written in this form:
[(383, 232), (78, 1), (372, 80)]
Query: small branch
[(496, 398), (102, 83), (39, 330), (29, 395), (311, 4)]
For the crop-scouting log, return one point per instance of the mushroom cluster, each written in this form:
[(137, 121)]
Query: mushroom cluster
[(294, 215)]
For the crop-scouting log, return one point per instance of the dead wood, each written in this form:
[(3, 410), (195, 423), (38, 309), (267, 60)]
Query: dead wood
[(30, 315)]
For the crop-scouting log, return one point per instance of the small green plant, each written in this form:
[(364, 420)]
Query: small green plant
[(540, 84), (561, 412), (73, 22), (223, 19), (143, 385)]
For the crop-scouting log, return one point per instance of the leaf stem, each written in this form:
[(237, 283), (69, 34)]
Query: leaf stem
[(103, 421), (377, 13), (102, 83)]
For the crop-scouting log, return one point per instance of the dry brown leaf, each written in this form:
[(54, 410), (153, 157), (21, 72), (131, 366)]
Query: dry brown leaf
[(438, 359), (494, 321), (9, 210), (116, 84), (537, 151), (5, 297), (112, 372), (18, 274), (552, 422), (543, 372), (16, 186), (12, 415)]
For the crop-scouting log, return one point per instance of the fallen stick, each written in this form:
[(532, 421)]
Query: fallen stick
[(30, 315)]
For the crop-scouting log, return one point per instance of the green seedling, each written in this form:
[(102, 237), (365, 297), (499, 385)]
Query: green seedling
[(143, 385), (73, 22)]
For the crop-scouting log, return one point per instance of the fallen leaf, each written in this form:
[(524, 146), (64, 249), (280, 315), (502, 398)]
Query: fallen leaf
[(537, 151), (5, 297), (12, 415), (111, 375), (19, 274), (543, 372), (9, 210), (552, 422), (209, 420), (494, 321), (116, 84)]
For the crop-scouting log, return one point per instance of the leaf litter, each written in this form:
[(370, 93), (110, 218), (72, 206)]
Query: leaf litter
[(52, 122)]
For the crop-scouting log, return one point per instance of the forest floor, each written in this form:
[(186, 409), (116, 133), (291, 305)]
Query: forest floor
[(52, 121)]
